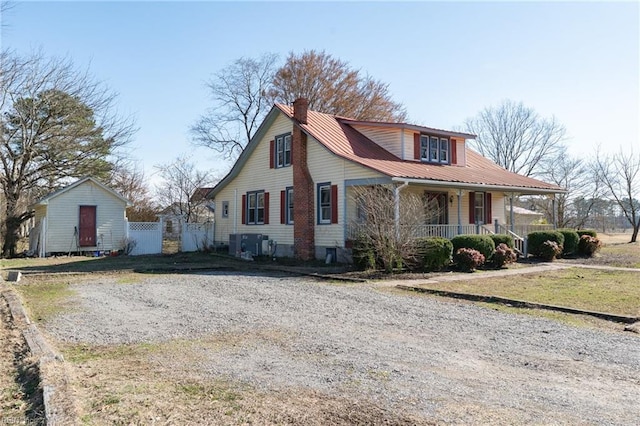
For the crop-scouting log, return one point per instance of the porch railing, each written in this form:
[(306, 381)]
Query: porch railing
[(445, 231)]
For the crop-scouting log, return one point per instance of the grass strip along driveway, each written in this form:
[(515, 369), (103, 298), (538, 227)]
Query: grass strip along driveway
[(611, 291)]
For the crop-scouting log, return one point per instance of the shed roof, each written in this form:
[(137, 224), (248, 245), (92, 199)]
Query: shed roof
[(45, 200)]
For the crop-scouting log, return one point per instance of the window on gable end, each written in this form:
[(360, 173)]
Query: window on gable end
[(282, 151)]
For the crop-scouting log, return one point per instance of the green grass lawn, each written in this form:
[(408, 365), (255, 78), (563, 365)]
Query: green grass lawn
[(615, 292)]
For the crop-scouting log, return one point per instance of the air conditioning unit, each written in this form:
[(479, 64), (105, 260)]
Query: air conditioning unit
[(256, 244)]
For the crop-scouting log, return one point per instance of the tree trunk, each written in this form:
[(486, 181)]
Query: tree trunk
[(634, 236), (12, 224)]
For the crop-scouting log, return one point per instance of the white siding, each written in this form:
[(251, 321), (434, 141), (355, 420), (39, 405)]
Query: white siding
[(326, 167), (257, 176), (389, 139), (63, 213)]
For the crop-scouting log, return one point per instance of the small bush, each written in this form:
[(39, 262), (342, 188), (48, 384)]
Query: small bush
[(550, 250), (482, 243), (434, 253), (588, 245), (570, 244), (364, 257), (503, 239), (503, 256), (589, 232), (537, 238), (468, 259)]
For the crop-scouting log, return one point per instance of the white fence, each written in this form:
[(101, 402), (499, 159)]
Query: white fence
[(196, 236), (146, 237)]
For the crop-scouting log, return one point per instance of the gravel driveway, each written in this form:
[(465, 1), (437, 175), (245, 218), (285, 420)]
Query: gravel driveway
[(445, 361)]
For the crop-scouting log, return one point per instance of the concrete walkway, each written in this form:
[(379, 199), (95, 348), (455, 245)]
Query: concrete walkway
[(479, 275)]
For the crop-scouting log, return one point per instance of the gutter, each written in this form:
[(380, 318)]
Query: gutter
[(461, 185)]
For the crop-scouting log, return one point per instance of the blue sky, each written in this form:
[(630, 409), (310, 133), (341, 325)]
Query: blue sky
[(443, 61)]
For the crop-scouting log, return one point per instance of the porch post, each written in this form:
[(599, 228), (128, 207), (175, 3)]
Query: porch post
[(396, 205), (555, 212), (459, 212), (511, 212)]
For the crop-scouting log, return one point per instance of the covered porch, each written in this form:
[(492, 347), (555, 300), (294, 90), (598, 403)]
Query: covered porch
[(450, 209)]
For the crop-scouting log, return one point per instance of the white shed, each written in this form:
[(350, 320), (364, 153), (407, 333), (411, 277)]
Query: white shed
[(84, 216)]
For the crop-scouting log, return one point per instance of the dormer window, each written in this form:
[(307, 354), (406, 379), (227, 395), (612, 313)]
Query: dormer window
[(434, 149)]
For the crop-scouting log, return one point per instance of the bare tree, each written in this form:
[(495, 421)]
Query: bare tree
[(332, 87), (516, 137), (244, 92), (128, 179), (574, 207), (180, 181), (620, 175), (392, 242), (5, 6), (239, 92), (56, 123)]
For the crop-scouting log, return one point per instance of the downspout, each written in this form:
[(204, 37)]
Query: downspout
[(459, 211), (511, 213), (402, 143), (396, 202), (235, 211), (555, 212)]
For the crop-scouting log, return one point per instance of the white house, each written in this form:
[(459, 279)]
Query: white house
[(82, 217), (293, 185)]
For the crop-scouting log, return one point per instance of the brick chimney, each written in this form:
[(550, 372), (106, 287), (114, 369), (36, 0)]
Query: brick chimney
[(303, 194), (300, 108)]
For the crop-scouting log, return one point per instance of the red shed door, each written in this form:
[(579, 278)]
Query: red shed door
[(87, 231)]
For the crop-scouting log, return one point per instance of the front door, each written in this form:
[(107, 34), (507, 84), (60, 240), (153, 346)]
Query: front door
[(87, 231), (436, 208)]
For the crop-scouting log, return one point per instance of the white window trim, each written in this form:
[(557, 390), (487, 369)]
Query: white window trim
[(425, 149), (281, 150), (321, 187), (256, 209), (288, 199)]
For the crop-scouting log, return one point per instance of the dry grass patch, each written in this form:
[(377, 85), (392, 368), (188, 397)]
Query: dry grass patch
[(20, 395), (140, 384), (46, 298), (615, 292)]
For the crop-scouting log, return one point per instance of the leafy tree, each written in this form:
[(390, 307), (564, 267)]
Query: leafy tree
[(620, 175), (180, 181), (244, 92), (333, 87), (516, 137), (56, 124)]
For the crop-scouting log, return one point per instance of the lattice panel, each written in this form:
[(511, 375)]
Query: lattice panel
[(144, 226)]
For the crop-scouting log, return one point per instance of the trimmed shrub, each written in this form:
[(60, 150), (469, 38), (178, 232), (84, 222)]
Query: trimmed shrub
[(503, 255), (537, 238), (434, 253), (503, 239), (468, 259), (571, 239), (550, 250), (589, 232), (482, 243), (363, 255), (588, 245)]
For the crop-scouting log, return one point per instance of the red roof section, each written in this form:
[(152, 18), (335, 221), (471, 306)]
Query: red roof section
[(340, 138)]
